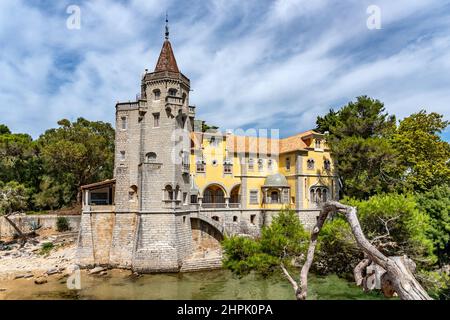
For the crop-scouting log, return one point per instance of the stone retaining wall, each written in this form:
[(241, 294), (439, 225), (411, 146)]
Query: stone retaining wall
[(23, 222), (191, 265)]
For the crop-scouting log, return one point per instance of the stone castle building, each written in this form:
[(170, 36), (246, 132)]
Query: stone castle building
[(177, 190)]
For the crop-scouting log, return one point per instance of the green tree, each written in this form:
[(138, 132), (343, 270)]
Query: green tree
[(436, 203), (396, 225), (78, 153), (337, 250), (281, 243), (423, 155), (13, 197), (18, 158), (4, 129), (358, 137)]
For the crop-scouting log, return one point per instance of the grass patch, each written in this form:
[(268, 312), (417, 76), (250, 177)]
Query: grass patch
[(62, 224), (46, 248)]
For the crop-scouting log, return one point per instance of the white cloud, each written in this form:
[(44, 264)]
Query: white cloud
[(269, 64)]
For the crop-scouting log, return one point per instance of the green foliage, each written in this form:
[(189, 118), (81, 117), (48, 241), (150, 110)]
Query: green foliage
[(53, 167), (436, 283), (18, 158), (281, 242), (4, 129), (206, 127), (62, 224), (337, 251), (436, 203), (403, 227), (423, 155), (327, 122), (74, 154), (46, 248), (358, 138), (13, 197)]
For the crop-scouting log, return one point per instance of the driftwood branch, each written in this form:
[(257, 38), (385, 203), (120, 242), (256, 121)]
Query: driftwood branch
[(398, 277), (23, 237), (397, 270)]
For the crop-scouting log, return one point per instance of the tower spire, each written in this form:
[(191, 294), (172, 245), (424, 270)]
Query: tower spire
[(167, 26), (166, 60)]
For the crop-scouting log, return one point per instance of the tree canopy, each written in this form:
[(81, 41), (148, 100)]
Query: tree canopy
[(53, 167)]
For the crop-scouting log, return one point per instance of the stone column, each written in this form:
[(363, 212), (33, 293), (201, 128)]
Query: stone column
[(299, 187)]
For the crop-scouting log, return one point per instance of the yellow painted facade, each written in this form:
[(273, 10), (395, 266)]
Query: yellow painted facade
[(227, 175)]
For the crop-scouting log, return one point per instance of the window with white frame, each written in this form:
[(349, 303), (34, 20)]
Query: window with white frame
[(327, 164), (253, 196), (288, 163), (200, 165), (260, 164), (251, 164), (318, 144)]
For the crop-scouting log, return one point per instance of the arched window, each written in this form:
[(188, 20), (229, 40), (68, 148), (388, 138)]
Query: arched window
[(327, 164), (184, 98), (176, 194), (169, 193), (172, 92), (235, 219), (215, 218), (310, 164), (132, 193), (318, 194), (274, 197), (150, 157), (156, 94)]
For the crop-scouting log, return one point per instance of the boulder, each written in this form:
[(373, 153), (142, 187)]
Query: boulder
[(52, 271), (40, 280), (96, 270), (103, 273)]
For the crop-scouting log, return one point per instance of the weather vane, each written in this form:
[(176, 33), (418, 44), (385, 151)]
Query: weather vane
[(167, 26)]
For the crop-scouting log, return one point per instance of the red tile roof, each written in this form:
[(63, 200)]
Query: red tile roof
[(167, 61)]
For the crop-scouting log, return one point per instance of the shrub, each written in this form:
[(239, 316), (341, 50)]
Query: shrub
[(62, 224), (337, 251), (46, 248), (284, 241), (408, 226), (436, 204)]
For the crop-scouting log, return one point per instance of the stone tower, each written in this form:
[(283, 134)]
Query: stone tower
[(152, 230)]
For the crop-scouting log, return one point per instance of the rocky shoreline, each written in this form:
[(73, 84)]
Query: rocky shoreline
[(39, 258)]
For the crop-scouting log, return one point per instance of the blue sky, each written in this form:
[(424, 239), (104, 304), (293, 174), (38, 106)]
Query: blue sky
[(253, 63)]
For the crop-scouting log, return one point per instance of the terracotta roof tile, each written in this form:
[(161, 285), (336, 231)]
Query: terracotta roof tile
[(167, 61)]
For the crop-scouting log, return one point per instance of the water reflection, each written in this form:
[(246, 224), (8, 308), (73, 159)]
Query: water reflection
[(211, 285)]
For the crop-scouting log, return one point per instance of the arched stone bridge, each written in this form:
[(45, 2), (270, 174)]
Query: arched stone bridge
[(203, 217)]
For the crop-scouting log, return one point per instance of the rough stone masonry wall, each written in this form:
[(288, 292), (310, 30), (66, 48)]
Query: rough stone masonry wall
[(94, 240), (156, 244), (124, 234), (46, 221)]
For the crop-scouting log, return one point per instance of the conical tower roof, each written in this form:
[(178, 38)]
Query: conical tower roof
[(166, 60)]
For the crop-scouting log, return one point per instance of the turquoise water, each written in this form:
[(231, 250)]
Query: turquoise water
[(210, 285)]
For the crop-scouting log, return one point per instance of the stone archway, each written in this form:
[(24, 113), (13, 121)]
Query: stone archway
[(235, 196), (214, 196), (205, 236)]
